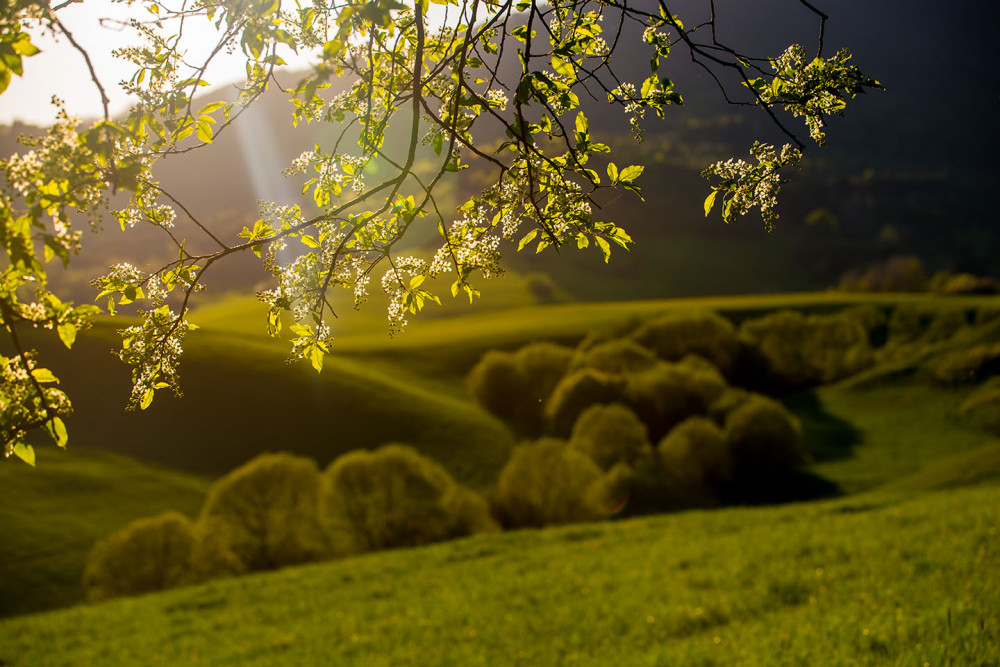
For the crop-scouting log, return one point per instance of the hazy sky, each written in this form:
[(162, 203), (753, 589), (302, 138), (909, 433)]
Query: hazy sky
[(60, 70)]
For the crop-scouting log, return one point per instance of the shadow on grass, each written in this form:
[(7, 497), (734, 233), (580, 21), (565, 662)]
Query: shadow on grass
[(827, 437)]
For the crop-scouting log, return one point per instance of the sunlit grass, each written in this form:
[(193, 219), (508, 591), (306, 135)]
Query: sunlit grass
[(876, 579)]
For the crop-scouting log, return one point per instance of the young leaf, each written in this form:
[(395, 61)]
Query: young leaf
[(710, 202), (25, 452)]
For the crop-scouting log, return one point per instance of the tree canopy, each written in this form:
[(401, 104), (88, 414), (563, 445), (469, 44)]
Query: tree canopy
[(503, 85)]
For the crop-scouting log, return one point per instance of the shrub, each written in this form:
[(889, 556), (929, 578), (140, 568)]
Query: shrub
[(497, 384), (982, 407), (578, 391), (515, 386), (549, 483), (270, 506), (668, 393), (765, 444), (911, 324), (708, 335), (972, 365), (802, 351), (730, 399), (610, 434), (697, 455), (395, 497), (543, 364), (617, 356), (150, 554), (898, 274)]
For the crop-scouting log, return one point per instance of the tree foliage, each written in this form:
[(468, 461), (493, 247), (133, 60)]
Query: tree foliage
[(270, 507), (394, 497), (520, 70)]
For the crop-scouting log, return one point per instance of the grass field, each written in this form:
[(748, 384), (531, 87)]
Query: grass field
[(873, 580), (745, 577), (52, 514)]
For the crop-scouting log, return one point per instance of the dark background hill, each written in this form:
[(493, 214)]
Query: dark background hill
[(907, 171)]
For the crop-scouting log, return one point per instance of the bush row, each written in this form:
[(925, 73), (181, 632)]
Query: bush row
[(744, 448), (280, 510)]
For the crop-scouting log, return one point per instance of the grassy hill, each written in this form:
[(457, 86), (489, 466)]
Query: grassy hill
[(885, 428), (872, 580)]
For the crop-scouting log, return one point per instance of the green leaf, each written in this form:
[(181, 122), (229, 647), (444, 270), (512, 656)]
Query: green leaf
[(203, 131), (316, 357), (613, 172), (44, 375), (629, 174), (146, 400), (57, 429), (67, 334), (710, 202), (605, 248), (25, 452)]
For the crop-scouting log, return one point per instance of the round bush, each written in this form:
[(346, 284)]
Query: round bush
[(497, 384), (676, 335), (802, 351), (270, 505), (543, 365), (765, 443), (395, 497), (618, 356), (697, 455), (668, 393), (578, 391), (515, 386), (971, 365), (730, 399), (911, 324), (150, 554), (610, 434), (549, 483)]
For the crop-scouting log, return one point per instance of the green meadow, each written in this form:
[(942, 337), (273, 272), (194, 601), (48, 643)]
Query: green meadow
[(901, 565)]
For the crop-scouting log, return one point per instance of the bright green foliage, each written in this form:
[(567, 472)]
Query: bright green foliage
[(674, 335), (394, 497), (270, 506), (438, 82), (610, 434), (548, 483)]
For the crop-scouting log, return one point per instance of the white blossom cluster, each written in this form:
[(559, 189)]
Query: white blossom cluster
[(59, 159), (748, 185), (810, 89), (470, 245), (18, 399), (153, 349), (145, 208), (396, 285), (497, 98), (659, 40)]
